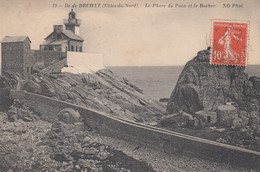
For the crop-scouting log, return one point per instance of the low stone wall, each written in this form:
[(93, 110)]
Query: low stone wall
[(47, 56), (157, 138), (56, 67)]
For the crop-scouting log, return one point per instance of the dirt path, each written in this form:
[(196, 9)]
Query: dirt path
[(163, 162)]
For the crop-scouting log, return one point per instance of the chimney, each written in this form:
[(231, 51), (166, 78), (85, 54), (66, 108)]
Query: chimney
[(58, 28)]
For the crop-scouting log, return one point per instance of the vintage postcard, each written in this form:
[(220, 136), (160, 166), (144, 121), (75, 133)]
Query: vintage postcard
[(129, 85)]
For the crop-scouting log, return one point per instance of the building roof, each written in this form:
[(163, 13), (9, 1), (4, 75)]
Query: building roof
[(59, 42), (68, 34), (72, 35), (8, 39), (54, 42)]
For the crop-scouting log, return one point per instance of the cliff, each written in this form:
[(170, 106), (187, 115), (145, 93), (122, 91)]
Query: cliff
[(102, 91), (202, 86)]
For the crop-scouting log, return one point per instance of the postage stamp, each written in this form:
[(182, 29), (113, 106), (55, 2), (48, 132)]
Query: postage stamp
[(229, 42)]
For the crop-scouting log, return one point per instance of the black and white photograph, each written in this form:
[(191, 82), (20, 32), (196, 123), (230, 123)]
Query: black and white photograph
[(129, 86)]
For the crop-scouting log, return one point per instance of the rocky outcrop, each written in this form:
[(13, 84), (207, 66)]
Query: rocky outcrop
[(102, 91), (221, 100), (202, 86), (7, 81), (256, 82), (21, 112), (226, 115)]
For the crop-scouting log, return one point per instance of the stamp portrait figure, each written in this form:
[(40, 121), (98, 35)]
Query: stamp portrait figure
[(226, 39)]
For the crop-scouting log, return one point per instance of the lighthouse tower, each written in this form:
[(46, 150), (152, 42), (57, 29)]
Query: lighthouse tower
[(72, 23)]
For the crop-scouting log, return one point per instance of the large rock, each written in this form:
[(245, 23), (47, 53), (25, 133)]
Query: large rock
[(19, 111), (253, 117), (58, 127), (226, 114), (237, 123), (202, 86), (69, 116), (8, 81), (180, 119), (245, 119), (206, 117), (255, 81), (103, 91)]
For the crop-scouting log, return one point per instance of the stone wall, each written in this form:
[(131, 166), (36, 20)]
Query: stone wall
[(164, 140), (18, 57), (29, 63), (56, 67), (47, 57)]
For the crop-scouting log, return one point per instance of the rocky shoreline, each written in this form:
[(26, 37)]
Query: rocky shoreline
[(69, 145), (216, 102)]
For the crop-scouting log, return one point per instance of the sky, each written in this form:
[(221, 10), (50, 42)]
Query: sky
[(133, 36)]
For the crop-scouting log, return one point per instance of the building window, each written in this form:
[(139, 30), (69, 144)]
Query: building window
[(50, 47), (28, 70), (72, 48), (59, 36), (80, 49), (76, 49), (66, 48)]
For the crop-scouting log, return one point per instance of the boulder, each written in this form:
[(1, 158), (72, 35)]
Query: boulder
[(255, 81), (5, 101), (12, 114), (245, 119), (253, 105), (32, 86), (226, 114), (69, 116), (253, 118), (58, 127), (257, 131), (206, 116), (180, 119), (18, 111), (237, 123), (202, 86), (8, 81)]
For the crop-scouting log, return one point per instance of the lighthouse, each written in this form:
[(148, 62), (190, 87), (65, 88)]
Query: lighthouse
[(72, 23)]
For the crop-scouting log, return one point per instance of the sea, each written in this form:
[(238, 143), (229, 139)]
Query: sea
[(159, 81)]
